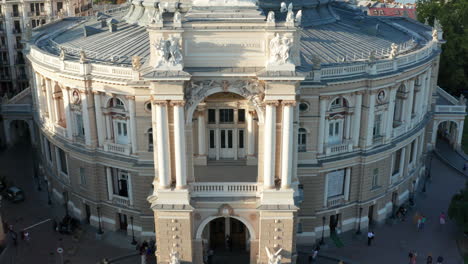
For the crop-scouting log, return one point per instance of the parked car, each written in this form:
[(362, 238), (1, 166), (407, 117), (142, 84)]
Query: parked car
[(14, 194)]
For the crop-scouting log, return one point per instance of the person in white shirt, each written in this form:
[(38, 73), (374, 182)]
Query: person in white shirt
[(370, 237)]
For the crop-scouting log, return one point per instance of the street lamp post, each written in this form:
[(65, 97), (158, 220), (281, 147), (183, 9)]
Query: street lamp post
[(133, 232), (322, 241), (65, 198), (49, 201), (358, 232), (100, 232)]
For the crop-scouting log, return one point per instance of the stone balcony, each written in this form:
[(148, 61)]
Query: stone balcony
[(343, 147), (335, 201), (225, 189), (117, 148), (120, 200)]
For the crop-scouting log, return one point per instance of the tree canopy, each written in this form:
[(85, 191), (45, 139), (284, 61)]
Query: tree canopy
[(458, 209), (453, 16)]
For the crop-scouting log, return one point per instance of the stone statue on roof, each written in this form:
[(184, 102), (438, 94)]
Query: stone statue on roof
[(435, 35), (285, 49), (372, 57), (177, 17), (299, 17), (136, 63), (462, 100), (271, 17), (283, 7), (437, 25), (316, 62), (290, 17), (230, 3), (290, 7), (393, 50), (82, 56), (62, 54), (162, 52)]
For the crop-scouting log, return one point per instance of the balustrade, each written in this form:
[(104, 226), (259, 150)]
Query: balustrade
[(120, 200), (117, 148), (345, 146), (335, 201), (223, 189)]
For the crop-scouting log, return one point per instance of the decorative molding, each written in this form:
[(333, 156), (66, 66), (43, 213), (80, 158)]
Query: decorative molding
[(288, 103), (177, 103), (130, 97), (159, 102)]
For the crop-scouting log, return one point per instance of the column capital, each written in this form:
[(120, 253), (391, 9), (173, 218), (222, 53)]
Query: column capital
[(130, 97), (177, 103), (272, 103), (358, 93), (96, 92), (159, 102), (288, 103)]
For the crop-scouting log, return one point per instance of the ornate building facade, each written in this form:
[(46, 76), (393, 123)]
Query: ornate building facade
[(272, 123)]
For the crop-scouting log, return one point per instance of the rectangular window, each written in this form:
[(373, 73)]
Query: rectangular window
[(82, 176), (336, 181), (375, 178), (396, 162), (49, 150), (223, 138), (212, 139), (377, 125), (63, 161), (226, 115), (119, 182), (241, 138), (79, 125), (412, 151), (229, 138), (241, 115), (211, 116)]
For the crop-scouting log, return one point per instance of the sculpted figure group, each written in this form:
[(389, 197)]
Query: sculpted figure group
[(280, 48), (168, 52)]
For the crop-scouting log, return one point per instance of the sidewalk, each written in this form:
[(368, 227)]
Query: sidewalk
[(16, 166), (393, 243)]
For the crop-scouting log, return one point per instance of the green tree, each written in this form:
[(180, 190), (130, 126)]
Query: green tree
[(458, 209), (453, 16)]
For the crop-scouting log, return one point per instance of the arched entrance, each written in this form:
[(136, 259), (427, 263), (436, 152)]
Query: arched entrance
[(448, 131), (226, 240), (18, 131)]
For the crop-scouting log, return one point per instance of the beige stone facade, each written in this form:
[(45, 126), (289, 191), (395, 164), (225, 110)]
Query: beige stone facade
[(263, 152)]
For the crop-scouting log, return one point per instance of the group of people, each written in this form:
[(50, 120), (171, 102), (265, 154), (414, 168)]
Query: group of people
[(429, 260), (146, 250), (24, 235)]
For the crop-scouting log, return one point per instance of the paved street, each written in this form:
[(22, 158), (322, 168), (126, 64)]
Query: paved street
[(392, 243), (16, 165)]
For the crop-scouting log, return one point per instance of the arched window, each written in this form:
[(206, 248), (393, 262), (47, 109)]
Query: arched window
[(116, 102), (302, 140), (150, 139), (339, 102)]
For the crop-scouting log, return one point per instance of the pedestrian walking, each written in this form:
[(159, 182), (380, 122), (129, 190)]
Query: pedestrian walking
[(423, 221), (442, 218), (370, 237), (429, 259), (464, 166), (440, 259), (413, 258), (419, 223), (315, 254)]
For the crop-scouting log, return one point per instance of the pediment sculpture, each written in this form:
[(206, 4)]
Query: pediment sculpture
[(167, 53), (393, 50), (280, 48), (274, 257)]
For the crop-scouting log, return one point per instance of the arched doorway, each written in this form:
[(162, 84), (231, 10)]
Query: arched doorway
[(448, 131), (18, 131), (226, 240)]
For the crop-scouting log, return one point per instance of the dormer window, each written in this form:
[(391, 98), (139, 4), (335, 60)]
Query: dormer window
[(338, 103)]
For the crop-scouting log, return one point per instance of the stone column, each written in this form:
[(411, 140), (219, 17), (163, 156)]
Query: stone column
[(201, 133), (130, 189), (110, 187), (250, 134), (415, 149), (325, 192), (38, 91), (269, 144), (100, 126), (179, 144), (402, 161), (347, 183), (370, 120), (460, 132), (357, 119), (162, 141), (85, 111), (287, 144), (322, 128), (108, 126), (409, 104), (133, 128), (390, 114), (50, 101), (68, 115)]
